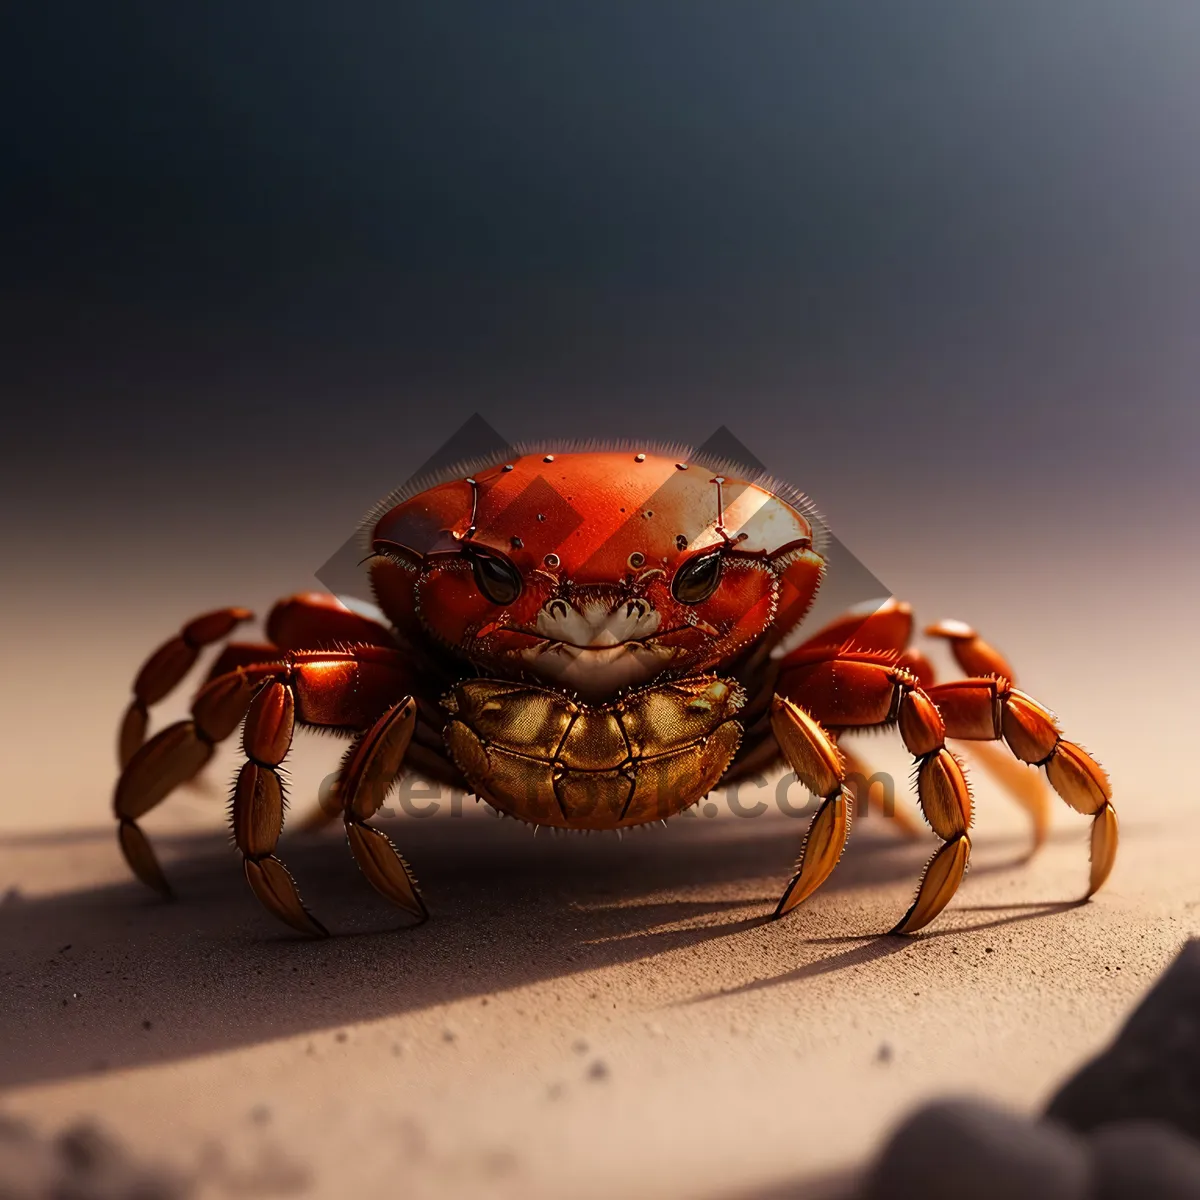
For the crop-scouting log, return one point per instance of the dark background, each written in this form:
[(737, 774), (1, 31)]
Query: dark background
[(935, 262)]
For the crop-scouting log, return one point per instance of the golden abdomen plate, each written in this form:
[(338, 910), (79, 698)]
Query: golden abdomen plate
[(538, 754)]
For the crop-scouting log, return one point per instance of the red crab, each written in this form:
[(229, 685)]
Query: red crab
[(585, 639)]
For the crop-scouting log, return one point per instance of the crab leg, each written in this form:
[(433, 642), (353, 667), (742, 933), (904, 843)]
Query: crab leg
[(970, 651), (820, 766), (236, 655), (760, 748), (371, 768), (258, 805), (338, 689), (332, 689), (848, 689), (319, 621), (889, 628), (977, 658), (306, 622), (425, 755), (321, 688), (174, 756), (166, 667), (992, 709)]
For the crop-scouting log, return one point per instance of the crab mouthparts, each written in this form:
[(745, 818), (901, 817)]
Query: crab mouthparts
[(599, 648), (597, 673)]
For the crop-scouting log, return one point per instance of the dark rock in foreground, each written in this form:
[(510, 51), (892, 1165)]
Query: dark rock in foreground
[(1144, 1159), (957, 1148), (960, 1149), (1126, 1127), (1152, 1069)]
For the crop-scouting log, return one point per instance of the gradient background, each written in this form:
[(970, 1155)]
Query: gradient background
[(936, 263)]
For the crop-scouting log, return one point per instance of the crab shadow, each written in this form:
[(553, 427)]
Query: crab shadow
[(111, 977)]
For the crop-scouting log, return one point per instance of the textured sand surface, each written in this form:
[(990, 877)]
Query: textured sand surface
[(583, 1016)]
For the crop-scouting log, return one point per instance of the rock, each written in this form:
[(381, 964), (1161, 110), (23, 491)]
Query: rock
[(1152, 1069), (1144, 1160), (957, 1148)]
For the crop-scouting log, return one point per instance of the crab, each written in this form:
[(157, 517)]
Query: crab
[(589, 639)]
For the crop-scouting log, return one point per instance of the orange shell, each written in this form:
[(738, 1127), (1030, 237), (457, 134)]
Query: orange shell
[(593, 510)]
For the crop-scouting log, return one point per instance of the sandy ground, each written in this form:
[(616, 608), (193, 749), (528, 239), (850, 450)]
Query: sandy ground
[(583, 1016)]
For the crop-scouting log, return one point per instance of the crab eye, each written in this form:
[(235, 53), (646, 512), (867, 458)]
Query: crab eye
[(495, 576), (696, 580)]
